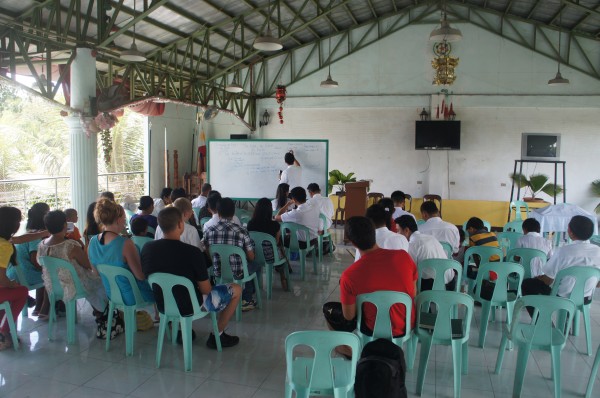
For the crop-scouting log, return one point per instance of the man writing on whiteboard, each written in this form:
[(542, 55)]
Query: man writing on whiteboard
[(293, 174)]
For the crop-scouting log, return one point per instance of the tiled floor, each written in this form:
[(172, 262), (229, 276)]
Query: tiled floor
[(255, 368)]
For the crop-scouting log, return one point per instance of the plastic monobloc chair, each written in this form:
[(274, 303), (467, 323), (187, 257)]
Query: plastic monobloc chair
[(526, 255), (439, 267), (260, 238), (204, 220), (140, 242), (501, 297), (517, 207), (383, 300), (291, 229), (539, 334), (225, 252), (448, 249), (52, 266), (110, 274), (442, 332), (170, 313), (321, 238), (196, 211), (128, 215), (11, 323), (508, 240), (515, 226), (590, 386), (484, 253), (22, 279), (321, 374), (581, 274)]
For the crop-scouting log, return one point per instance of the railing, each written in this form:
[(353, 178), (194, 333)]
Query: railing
[(56, 191)]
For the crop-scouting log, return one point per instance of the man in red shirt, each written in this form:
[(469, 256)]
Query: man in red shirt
[(377, 269)]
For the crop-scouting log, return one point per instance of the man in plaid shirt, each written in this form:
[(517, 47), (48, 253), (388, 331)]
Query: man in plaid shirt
[(228, 233)]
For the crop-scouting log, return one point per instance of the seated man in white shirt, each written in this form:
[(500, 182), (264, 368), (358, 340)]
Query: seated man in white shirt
[(305, 214), (441, 230), (200, 201), (423, 247), (323, 203), (399, 199), (190, 234), (533, 240), (162, 201), (384, 238), (581, 252), (292, 175), (212, 204)]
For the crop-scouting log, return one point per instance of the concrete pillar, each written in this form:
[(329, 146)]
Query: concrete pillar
[(84, 148)]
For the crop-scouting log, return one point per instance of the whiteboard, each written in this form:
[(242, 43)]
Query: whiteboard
[(249, 169)]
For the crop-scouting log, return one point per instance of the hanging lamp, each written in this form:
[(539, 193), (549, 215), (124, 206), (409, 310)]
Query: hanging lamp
[(133, 54), (329, 82), (234, 87), (445, 31), (558, 79), (268, 42)]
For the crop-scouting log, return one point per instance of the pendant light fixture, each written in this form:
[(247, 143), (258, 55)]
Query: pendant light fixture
[(268, 42), (558, 79), (445, 31), (133, 54), (234, 87), (329, 82)]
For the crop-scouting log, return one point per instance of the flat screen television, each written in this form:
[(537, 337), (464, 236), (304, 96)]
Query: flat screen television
[(540, 146), (437, 135)]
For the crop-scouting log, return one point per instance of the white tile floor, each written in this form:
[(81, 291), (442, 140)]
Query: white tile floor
[(255, 368)]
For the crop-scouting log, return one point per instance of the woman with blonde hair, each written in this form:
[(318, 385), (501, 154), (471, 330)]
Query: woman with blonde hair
[(109, 247)]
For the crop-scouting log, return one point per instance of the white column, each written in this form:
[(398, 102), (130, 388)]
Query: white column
[(84, 148)]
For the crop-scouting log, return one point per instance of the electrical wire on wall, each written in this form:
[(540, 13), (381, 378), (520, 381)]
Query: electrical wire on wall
[(428, 163)]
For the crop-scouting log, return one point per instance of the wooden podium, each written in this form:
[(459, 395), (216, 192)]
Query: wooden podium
[(356, 200)]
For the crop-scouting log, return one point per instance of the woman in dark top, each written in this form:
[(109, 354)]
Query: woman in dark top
[(91, 226), (262, 221)]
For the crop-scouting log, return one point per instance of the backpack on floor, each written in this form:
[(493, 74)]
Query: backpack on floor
[(381, 371)]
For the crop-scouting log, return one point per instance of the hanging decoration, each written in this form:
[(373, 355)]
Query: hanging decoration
[(444, 64), (280, 96), (445, 108), (107, 147)]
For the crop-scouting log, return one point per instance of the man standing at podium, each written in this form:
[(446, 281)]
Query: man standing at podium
[(293, 174)]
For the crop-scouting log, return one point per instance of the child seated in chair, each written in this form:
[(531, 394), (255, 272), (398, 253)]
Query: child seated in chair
[(532, 239), (139, 229)]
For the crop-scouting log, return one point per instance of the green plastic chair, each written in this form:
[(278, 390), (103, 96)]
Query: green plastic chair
[(439, 266), (244, 219), (22, 279), (383, 300), (517, 207), (421, 222), (321, 238), (508, 240), (525, 256), (204, 220), (140, 241), (590, 386), (485, 253), (581, 274), (170, 313), (196, 211), (128, 215), (486, 224), (539, 334), (11, 323), (224, 252), (442, 332), (259, 238), (110, 274), (321, 374), (52, 266), (290, 229), (501, 296), (448, 249), (514, 226)]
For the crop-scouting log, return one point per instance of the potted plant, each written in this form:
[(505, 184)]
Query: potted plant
[(596, 192), (536, 183), (338, 179)]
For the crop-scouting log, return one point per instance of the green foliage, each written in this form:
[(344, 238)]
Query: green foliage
[(595, 188), (536, 183), (337, 178)]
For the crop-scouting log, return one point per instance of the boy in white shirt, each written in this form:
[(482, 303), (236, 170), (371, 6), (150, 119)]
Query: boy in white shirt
[(384, 238), (533, 240), (292, 175), (399, 199), (189, 234), (305, 214), (200, 201), (323, 203)]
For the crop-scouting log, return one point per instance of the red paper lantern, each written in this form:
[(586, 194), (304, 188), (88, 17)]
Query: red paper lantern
[(280, 96)]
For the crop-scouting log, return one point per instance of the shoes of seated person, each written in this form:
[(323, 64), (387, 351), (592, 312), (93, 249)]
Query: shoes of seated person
[(248, 305), (30, 302), (180, 338), (226, 341)]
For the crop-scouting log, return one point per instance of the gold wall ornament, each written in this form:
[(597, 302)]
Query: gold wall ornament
[(444, 70)]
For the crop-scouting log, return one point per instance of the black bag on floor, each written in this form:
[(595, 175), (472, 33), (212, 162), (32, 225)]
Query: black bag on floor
[(117, 327), (381, 371)]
